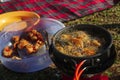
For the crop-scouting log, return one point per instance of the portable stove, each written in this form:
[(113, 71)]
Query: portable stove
[(98, 75)]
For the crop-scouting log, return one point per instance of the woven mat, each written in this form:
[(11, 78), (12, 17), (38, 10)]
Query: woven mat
[(62, 10)]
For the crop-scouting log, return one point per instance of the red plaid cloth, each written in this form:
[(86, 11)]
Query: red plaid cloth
[(62, 10)]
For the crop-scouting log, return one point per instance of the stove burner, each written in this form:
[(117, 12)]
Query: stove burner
[(95, 77)]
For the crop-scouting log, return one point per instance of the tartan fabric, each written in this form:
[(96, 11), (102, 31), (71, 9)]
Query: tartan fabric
[(62, 10)]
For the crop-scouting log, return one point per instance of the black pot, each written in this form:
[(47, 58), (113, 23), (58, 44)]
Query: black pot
[(67, 63)]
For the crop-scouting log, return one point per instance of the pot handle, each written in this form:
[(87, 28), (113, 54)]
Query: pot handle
[(74, 64), (71, 62)]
